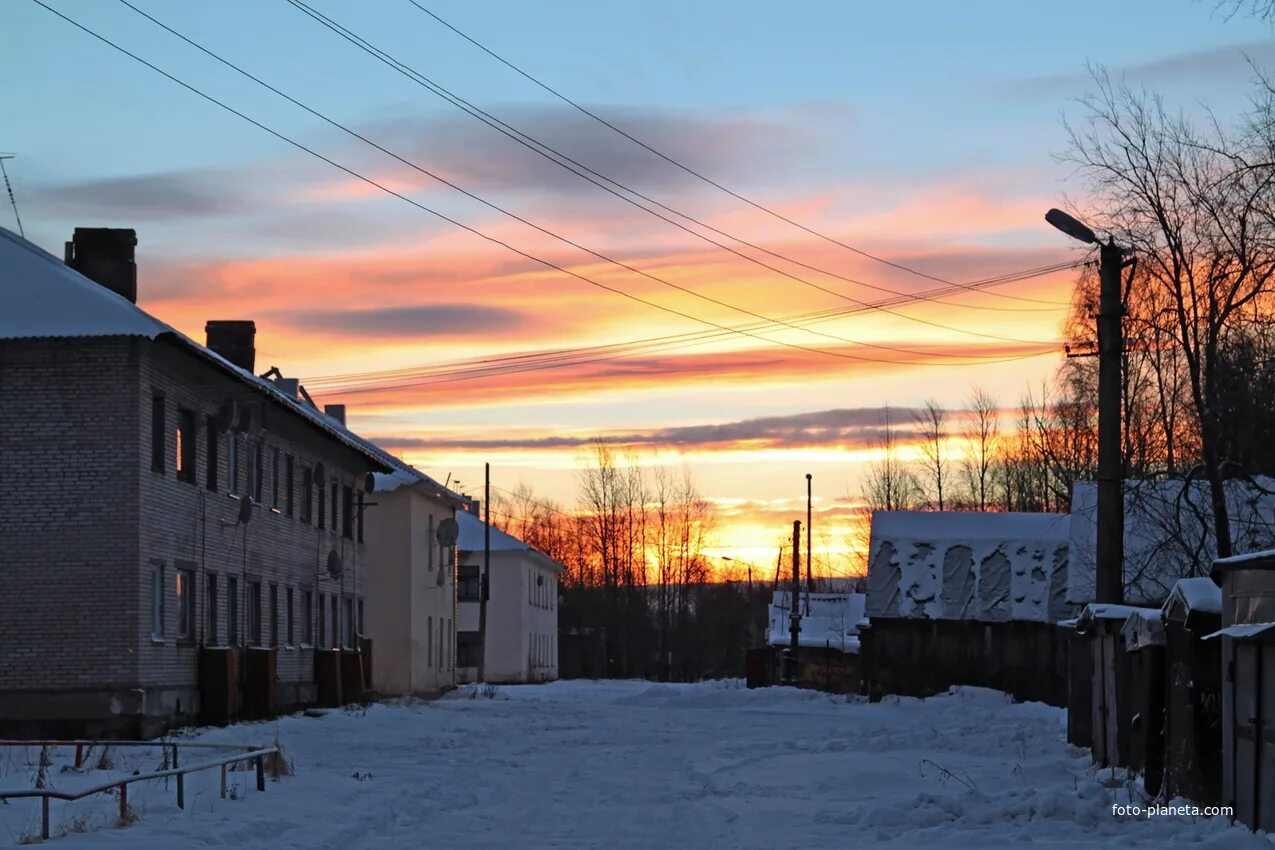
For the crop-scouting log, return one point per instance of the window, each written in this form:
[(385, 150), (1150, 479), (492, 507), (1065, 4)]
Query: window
[(359, 518), (211, 439), (186, 445), (322, 503), (258, 471), (157, 601), (232, 610), (186, 604), (254, 613), (274, 614), (350, 642), (429, 641), (307, 493), (210, 610), (347, 512), (335, 490), (336, 621), (232, 463), (468, 646), (307, 618), (274, 478), (287, 485), (361, 617), (431, 543), (158, 432), (287, 617), (323, 630), (440, 643), (468, 583), (451, 656)]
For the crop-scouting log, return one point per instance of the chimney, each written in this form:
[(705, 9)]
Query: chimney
[(105, 255), (336, 411), (287, 386), (472, 505), (235, 340)]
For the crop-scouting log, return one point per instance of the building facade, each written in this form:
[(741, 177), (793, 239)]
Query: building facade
[(521, 642), (187, 544), (411, 582)]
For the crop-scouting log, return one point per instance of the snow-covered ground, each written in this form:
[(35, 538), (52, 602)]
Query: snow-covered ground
[(634, 764)]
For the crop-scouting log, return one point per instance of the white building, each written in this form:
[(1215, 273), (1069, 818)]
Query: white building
[(411, 585), (522, 608), (828, 620)]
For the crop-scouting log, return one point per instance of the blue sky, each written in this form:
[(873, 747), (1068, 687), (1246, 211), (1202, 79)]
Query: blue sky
[(926, 132)]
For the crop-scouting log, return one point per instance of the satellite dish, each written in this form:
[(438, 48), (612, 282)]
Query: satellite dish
[(245, 510), (334, 564), (365, 483), (226, 415), (447, 531), (319, 472), (244, 419)]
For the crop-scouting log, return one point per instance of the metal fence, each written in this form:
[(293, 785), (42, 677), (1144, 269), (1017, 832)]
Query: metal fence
[(243, 753)]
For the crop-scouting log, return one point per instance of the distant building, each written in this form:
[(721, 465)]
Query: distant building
[(828, 620), (182, 539), (522, 609), (411, 583)]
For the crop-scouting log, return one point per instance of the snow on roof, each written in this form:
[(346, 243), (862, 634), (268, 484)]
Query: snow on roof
[(827, 619), (43, 297), (1241, 630), (1143, 628), (1167, 533), (471, 537), (968, 565), (1260, 558), (1196, 594)]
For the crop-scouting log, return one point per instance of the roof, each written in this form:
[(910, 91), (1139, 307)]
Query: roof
[(1143, 628), (968, 565), (472, 539), (1196, 594), (44, 298), (1263, 558), (1241, 631)]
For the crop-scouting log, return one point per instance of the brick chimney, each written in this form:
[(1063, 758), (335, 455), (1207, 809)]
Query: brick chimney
[(235, 340), (336, 411), (105, 255)]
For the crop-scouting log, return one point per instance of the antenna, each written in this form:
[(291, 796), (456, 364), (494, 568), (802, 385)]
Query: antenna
[(9, 186), (447, 531)]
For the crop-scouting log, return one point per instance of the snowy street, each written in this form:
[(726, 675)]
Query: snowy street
[(635, 764)]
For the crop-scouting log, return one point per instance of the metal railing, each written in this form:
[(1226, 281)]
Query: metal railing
[(245, 752)]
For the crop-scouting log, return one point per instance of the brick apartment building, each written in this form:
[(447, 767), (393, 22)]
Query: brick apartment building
[(180, 539)]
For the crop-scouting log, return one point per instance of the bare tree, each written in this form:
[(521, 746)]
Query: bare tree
[(980, 435), (890, 484), (931, 422)]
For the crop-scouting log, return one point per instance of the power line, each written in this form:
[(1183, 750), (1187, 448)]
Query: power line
[(516, 217), (407, 378), (671, 160), (560, 159), (548, 264), (9, 188)]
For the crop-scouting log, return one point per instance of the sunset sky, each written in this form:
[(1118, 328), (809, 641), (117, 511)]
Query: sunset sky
[(924, 133)]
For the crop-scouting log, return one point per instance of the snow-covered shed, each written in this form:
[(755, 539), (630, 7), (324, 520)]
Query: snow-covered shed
[(827, 620), (968, 566), (1167, 533)]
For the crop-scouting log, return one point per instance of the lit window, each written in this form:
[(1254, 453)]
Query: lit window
[(186, 604)]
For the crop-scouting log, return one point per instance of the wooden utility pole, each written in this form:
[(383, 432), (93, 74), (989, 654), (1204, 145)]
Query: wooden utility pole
[(810, 555), (1109, 573), (794, 613), (484, 580)]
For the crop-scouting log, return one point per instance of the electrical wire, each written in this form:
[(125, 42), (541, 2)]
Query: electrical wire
[(548, 264), (516, 217)]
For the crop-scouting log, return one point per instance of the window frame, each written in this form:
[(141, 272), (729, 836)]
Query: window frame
[(274, 614), (289, 486), (184, 583), (159, 431), (157, 601), (186, 453), (233, 637), (255, 633), (212, 441), (307, 618), (211, 626)]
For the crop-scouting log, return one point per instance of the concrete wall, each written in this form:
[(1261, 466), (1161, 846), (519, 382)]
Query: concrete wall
[(79, 548), (412, 584), (522, 618)]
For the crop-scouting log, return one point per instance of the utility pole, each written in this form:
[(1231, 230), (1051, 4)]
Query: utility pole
[(794, 614), (1109, 578), (810, 554), (1109, 566), (484, 581)]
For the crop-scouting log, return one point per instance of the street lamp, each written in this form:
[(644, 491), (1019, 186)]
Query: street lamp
[(1109, 569)]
